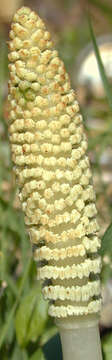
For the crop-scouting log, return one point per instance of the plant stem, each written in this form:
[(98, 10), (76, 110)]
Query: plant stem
[(80, 338)]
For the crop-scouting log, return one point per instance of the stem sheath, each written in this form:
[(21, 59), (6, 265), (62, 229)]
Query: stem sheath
[(80, 339)]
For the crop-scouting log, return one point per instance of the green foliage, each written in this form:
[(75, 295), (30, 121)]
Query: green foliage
[(19, 354), (107, 347), (12, 312), (107, 242), (32, 314), (38, 355), (107, 87), (48, 334)]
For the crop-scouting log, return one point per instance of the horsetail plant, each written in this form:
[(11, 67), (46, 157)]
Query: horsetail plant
[(48, 146)]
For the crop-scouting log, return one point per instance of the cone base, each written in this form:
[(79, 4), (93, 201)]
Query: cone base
[(80, 339)]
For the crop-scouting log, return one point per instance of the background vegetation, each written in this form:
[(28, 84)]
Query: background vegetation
[(26, 331)]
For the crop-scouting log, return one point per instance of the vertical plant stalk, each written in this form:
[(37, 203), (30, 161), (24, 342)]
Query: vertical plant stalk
[(80, 338), (48, 146)]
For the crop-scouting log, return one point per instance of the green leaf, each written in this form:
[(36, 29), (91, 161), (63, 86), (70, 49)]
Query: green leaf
[(6, 325), (12, 284), (2, 71), (31, 317), (107, 347), (38, 355), (19, 354), (106, 84), (106, 247), (10, 317), (106, 272), (48, 334)]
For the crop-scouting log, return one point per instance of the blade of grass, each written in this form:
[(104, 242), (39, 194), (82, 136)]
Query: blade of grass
[(12, 312), (47, 335), (3, 249), (25, 243), (2, 56), (106, 84), (11, 283), (106, 247)]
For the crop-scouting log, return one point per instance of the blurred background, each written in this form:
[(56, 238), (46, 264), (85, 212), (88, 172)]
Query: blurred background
[(26, 331)]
